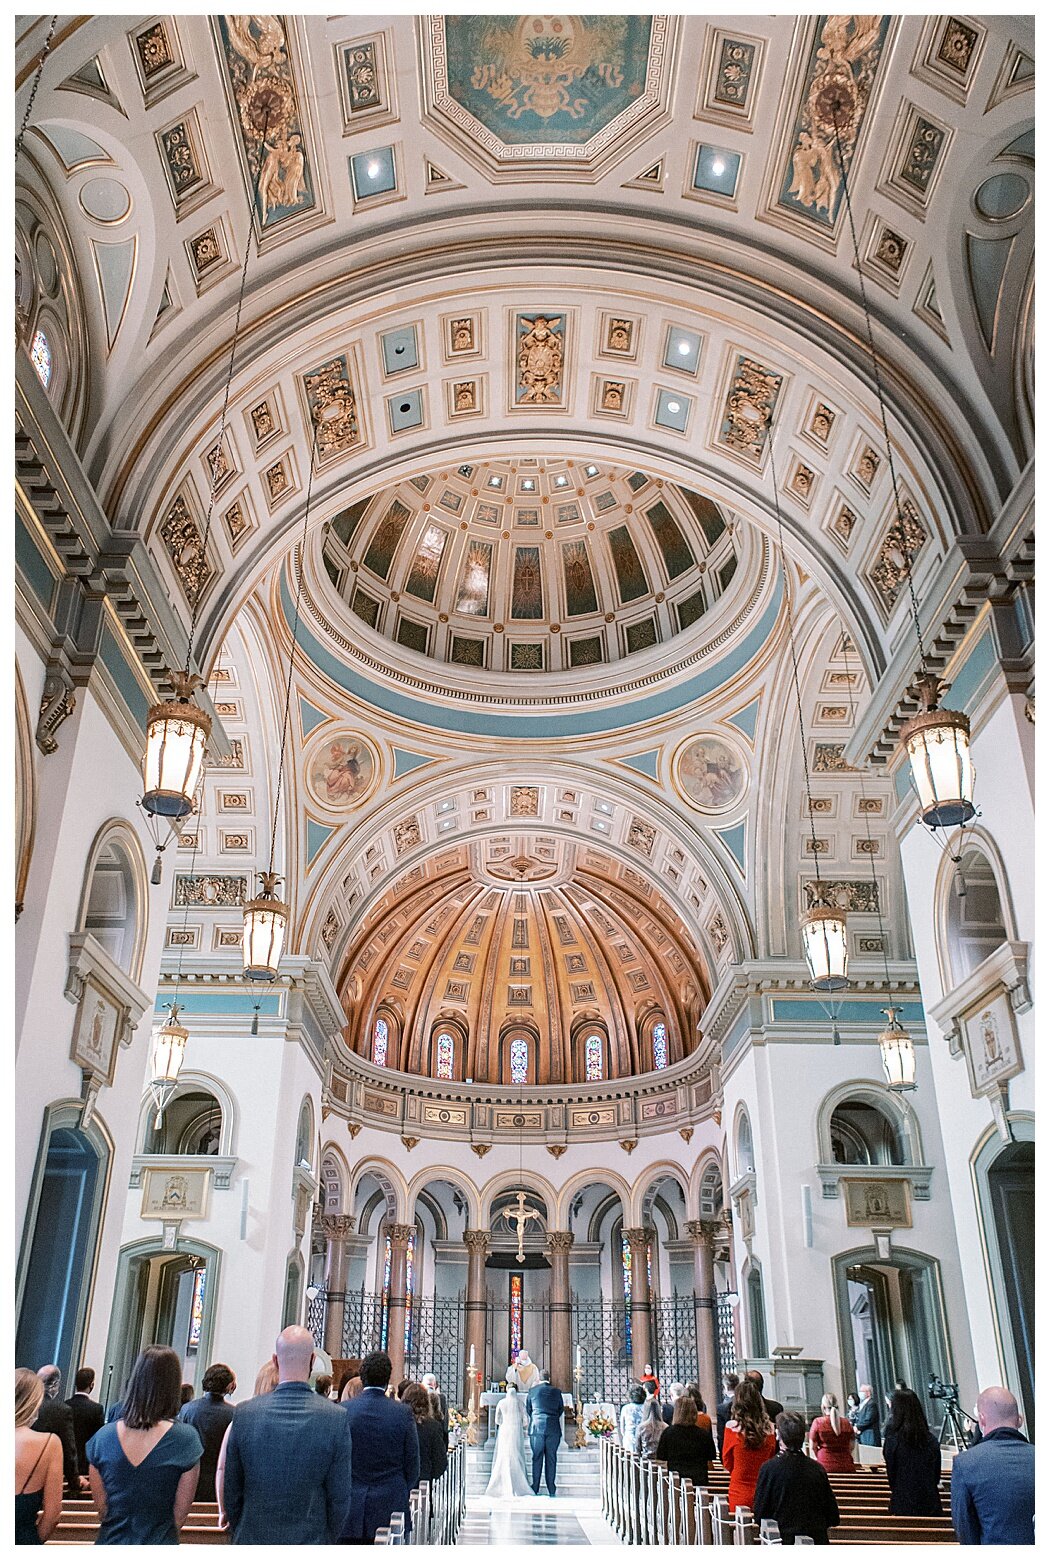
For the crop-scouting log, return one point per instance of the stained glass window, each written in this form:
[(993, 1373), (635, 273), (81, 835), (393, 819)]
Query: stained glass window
[(660, 1044), (197, 1309), (380, 1036), (519, 1060), (592, 1056), (446, 1052), (40, 352), (625, 1257), (517, 1297), (383, 1330)]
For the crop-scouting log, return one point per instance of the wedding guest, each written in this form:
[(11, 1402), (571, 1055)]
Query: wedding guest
[(185, 1394), (650, 1427), (287, 1475), (143, 1467), (866, 1423), (650, 1380), (674, 1392), (913, 1459), (351, 1368), (88, 1414), (630, 1418), (993, 1484), (56, 1418), (265, 1382), (323, 1386), (773, 1408), (703, 1418), (438, 1400), (748, 1442), (730, 1382), (793, 1489), (210, 1416), (38, 1466), (831, 1437), (687, 1447), (354, 1387), (385, 1454), (433, 1438)]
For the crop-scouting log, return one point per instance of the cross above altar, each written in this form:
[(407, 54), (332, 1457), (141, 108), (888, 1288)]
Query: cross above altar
[(521, 1217)]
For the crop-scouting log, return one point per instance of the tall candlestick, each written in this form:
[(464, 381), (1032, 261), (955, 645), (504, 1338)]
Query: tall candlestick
[(577, 1356), (472, 1354)]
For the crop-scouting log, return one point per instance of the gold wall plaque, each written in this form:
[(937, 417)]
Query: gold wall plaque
[(886, 1204)]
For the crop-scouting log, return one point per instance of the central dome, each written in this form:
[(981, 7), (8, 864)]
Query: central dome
[(524, 958), (530, 565)]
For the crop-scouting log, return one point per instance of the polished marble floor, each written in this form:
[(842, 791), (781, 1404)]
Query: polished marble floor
[(567, 1519)]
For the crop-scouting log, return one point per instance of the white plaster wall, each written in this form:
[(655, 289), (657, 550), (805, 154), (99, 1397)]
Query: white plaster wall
[(782, 1085)]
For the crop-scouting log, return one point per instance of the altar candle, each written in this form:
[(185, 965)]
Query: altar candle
[(472, 1356), (577, 1356)]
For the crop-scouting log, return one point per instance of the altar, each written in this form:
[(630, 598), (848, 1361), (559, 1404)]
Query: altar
[(490, 1401)]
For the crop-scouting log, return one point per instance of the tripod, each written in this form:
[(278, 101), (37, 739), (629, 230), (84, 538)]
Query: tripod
[(955, 1426)]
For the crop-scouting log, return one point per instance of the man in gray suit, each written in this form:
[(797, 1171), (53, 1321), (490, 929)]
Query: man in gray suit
[(993, 1483), (288, 1458), (544, 1407)]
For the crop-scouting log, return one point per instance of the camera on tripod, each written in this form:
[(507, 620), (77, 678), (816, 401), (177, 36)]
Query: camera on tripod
[(948, 1390)]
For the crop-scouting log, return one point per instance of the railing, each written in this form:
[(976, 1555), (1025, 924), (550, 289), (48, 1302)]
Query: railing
[(436, 1510)]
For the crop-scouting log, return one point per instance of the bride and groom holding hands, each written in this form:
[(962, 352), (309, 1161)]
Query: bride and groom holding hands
[(528, 1423)]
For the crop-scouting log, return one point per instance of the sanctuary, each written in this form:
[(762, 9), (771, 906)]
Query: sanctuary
[(524, 700)]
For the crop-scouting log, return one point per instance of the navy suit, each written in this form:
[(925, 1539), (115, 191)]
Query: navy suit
[(545, 1407), (993, 1490), (866, 1423), (386, 1462), (287, 1468)]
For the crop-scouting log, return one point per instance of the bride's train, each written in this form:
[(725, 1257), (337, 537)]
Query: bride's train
[(508, 1475)]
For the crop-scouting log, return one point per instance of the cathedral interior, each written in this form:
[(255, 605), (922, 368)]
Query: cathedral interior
[(545, 472)]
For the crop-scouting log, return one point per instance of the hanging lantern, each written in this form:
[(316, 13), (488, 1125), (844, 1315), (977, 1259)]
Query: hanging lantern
[(169, 1050), (265, 925), (177, 733), (898, 1053), (825, 947), (938, 746)]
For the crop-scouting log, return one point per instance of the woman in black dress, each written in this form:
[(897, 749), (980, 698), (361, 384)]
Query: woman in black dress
[(687, 1448), (913, 1459), (433, 1442)]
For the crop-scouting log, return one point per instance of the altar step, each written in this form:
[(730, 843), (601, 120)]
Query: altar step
[(577, 1472)]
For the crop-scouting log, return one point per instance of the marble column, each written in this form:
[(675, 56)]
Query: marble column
[(639, 1241), (559, 1244), (400, 1234), (703, 1233), (336, 1227), (477, 1244)]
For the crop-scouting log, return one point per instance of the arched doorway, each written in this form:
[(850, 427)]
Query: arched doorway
[(892, 1324), (162, 1296), (1005, 1182)]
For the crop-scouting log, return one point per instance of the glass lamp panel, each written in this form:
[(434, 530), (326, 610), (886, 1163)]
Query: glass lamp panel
[(265, 925), (176, 736), (169, 1051), (827, 951), (943, 774), (898, 1057)]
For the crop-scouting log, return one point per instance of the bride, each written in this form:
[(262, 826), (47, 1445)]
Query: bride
[(508, 1461)]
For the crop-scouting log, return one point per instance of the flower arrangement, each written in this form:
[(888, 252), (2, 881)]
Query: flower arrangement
[(456, 1418), (599, 1425)]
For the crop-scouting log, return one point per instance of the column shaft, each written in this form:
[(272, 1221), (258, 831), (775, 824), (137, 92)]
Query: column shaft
[(477, 1244), (395, 1327), (703, 1235), (559, 1244), (336, 1227), (641, 1307)]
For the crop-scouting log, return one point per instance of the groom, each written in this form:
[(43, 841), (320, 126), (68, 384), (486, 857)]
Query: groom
[(544, 1407)]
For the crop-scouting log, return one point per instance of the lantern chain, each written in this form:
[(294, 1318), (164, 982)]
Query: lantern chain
[(877, 375), (846, 645), (20, 137)]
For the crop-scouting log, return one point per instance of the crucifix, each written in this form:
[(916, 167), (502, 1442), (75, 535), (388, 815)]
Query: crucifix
[(521, 1218)]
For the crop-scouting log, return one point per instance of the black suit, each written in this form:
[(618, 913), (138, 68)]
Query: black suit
[(545, 1407), (88, 1416), (796, 1493), (773, 1408), (56, 1418), (722, 1419), (210, 1416)]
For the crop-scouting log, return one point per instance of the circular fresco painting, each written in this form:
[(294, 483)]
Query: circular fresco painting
[(341, 771), (711, 774)]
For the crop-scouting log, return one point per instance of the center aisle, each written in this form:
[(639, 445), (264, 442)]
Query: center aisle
[(573, 1517)]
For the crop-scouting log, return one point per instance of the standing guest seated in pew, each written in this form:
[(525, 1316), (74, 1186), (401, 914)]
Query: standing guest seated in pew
[(143, 1467), (210, 1416), (747, 1444), (433, 1438), (88, 1414), (687, 1447), (866, 1419), (38, 1466), (794, 1490), (386, 1454), (631, 1418), (773, 1407), (703, 1418), (650, 1427), (913, 1459), (724, 1406), (993, 1483), (56, 1418), (265, 1382), (831, 1438)]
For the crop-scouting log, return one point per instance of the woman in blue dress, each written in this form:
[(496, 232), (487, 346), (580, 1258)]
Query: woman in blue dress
[(38, 1466), (143, 1468)]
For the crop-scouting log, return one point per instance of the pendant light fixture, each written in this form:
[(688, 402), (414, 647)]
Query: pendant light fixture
[(936, 741), (898, 1053), (169, 1051)]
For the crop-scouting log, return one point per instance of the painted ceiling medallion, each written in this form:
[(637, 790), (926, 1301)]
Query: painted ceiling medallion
[(574, 91), (341, 771), (710, 773)]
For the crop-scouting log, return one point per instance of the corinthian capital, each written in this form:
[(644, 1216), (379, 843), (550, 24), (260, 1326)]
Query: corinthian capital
[(703, 1231), (640, 1236), (400, 1234), (559, 1240), (337, 1226), (476, 1240)]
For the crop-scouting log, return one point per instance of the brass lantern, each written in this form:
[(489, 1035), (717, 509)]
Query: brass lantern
[(898, 1053), (177, 733), (169, 1051), (825, 946), (265, 927), (938, 746)]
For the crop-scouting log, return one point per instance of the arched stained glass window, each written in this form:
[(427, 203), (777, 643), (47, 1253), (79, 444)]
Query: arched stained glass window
[(380, 1037), (445, 1048), (625, 1257), (40, 352), (592, 1058), (660, 1044), (519, 1060)]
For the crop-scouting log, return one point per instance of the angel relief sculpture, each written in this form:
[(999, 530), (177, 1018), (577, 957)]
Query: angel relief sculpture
[(540, 358), (262, 83)]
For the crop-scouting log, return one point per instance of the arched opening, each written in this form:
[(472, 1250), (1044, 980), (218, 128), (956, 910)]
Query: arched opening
[(1004, 1176), (111, 912), (293, 1291), (162, 1297), (892, 1324), (57, 1263), (519, 1055), (304, 1152), (976, 925), (448, 1046), (864, 1134), (192, 1124), (745, 1147), (758, 1338)]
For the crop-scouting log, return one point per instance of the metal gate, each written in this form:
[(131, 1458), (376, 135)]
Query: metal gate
[(726, 1336), (599, 1331), (674, 1339), (362, 1324), (436, 1343)]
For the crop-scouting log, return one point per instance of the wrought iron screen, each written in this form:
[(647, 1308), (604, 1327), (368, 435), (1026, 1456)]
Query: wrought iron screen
[(599, 1331), (726, 1336), (315, 1314), (674, 1338)]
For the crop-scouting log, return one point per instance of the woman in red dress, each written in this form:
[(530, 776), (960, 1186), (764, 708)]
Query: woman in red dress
[(831, 1437), (747, 1444)]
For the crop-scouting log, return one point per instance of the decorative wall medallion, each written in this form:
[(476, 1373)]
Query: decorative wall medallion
[(341, 770), (330, 930), (264, 421), (612, 397), (209, 890), (801, 483), (865, 467), (569, 92), (885, 1204), (820, 423), (235, 801), (184, 162), (905, 538), (461, 335), (258, 71), (642, 836), (524, 801), (749, 405), (604, 1116), (95, 1032), (919, 155), (175, 1194), (333, 406), (366, 83), (718, 934), (539, 344), (839, 76), (209, 255), (153, 49), (219, 465), (619, 335), (729, 77), (842, 523), (710, 773), (861, 896), (990, 1040), (465, 397), (278, 482), (183, 937), (407, 835), (184, 540), (886, 256), (158, 57), (829, 758)]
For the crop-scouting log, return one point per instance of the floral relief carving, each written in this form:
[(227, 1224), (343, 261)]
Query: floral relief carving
[(184, 541)]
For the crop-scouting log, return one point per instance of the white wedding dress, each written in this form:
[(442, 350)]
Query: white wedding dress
[(508, 1475)]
